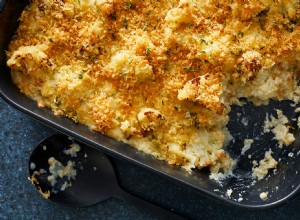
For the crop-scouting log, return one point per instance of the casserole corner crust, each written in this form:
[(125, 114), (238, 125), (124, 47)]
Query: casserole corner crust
[(158, 75)]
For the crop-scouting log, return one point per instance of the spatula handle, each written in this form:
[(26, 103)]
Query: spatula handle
[(151, 208)]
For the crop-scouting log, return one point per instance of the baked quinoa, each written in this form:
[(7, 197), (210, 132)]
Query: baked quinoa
[(158, 75)]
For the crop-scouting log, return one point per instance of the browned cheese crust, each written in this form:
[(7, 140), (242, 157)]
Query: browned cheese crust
[(159, 75)]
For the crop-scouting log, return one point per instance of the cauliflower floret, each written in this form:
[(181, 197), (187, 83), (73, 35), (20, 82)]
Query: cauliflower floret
[(26, 58), (181, 14), (206, 90), (149, 118), (128, 65)]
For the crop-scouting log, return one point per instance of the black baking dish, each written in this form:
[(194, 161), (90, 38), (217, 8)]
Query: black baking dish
[(281, 185)]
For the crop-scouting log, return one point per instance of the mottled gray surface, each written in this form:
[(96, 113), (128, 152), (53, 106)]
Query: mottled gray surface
[(20, 200)]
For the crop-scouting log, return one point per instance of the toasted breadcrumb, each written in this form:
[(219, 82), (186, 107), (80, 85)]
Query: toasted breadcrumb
[(158, 75)]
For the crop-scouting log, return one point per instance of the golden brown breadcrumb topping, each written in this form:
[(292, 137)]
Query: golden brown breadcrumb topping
[(158, 74)]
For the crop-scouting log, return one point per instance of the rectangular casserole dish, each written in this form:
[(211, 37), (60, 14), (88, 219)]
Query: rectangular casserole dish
[(281, 185)]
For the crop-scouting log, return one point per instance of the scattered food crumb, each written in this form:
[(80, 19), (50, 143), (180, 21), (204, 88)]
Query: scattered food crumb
[(220, 176), (57, 169), (32, 166), (254, 162), (44, 147), (279, 128), (46, 194), (74, 148), (94, 168), (229, 192), (42, 171), (291, 154), (264, 196), (240, 198), (297, 110), (247, 145), (245, 121), (265, 164), (34, 181)]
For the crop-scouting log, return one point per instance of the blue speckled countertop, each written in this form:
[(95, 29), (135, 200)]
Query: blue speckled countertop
[(20, 200)]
